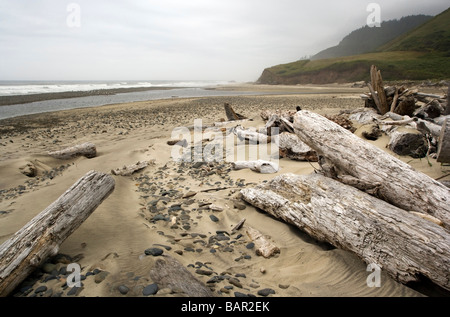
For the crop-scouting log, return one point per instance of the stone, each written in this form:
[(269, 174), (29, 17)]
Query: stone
[(151, 289), (123, 289), (266, 292), (154, 251), (235, 282), (40, 289), (214, 218)]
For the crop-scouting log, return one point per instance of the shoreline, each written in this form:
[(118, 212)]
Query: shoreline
[(23, 99)]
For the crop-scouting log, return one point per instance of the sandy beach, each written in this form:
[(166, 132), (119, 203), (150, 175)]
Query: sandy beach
[(168, 205)]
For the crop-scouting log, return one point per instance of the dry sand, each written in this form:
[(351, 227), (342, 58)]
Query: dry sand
[(114, 238)]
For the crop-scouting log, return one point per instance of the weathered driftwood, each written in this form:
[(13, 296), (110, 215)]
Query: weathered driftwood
[(293, 148), (377, 85), (263, 245), (400, 184), (169, 273), (443, 153), (86, 149), (41, 237), (260, 166), (130, 169), (406, 246), (231, 114), (251, 136)]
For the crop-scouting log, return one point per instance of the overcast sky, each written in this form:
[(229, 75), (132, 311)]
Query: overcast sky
[(176, 39)]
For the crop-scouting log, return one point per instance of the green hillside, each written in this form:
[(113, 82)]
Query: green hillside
[(368, 39), (421, 54)]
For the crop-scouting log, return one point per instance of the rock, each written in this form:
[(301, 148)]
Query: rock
[(123, 289), (214, 218), (74, 291), (154, 251), (266, 292), (204, 272), (151, 289), (235, 282), (40, 289)]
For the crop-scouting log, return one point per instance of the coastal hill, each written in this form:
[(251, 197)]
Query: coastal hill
[(419, 54)]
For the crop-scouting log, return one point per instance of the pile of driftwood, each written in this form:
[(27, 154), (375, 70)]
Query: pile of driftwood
[(401, 100), (418, 124), (363, 200)]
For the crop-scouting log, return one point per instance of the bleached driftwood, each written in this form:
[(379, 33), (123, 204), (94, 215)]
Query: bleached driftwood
[(231, 114), (404, 245), (443, 153), (130, 169), (263, 246), (295, 149), (252, 136), (348, 154), (260, 166), (41, 237), (86, 149)]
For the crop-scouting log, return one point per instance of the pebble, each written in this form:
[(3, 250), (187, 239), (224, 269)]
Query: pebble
[(266, 292), (213, 218), (154, 251), (235, 282), (123, 289), (151, 289), (40, 289)]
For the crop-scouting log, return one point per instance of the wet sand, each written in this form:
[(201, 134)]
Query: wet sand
[(168, 205)]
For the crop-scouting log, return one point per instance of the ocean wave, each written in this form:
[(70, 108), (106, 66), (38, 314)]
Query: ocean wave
[(13, 88)]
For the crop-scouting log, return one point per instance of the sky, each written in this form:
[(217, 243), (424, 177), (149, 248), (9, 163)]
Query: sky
[(177, 39)]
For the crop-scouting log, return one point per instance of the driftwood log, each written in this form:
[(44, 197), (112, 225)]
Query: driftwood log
[(251, 136), (41, 237), (260, 166), (406, 246), (397, 182), (443, 153), (169, 273), (86, 149), (130, 169), (231, 114)]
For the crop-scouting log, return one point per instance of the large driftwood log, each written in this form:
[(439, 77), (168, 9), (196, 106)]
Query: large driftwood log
[(169, 273), (406, 246), (400, 184), (86, 149), (443, 153), (41, 237)]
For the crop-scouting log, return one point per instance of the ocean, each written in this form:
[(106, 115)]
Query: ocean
[(178, 89)]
